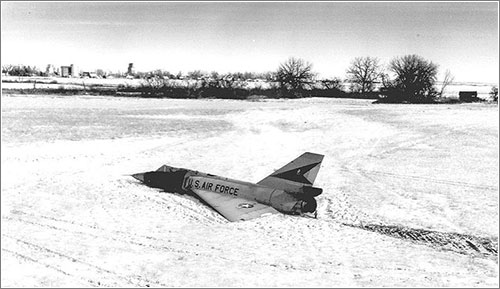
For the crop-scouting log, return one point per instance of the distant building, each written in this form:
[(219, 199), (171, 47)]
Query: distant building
[(468, 96), (130, 69), (68, 71)]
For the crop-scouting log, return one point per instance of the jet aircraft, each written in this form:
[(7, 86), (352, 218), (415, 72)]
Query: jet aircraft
[(288, 190)]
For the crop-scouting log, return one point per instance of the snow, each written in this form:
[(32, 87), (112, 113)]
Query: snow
[(73, 217)]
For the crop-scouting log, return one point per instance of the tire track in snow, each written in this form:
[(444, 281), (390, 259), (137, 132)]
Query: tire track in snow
[(140, 279), (70, 262), (102, 230), (460, 243), (339, 209), (419, 178), (130, 242), (55, 268), (190, 248), (27, 258)]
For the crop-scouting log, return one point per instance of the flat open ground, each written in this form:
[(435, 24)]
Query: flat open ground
[(72, 216)]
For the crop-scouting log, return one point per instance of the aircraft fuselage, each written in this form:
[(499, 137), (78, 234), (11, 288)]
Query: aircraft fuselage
[(288, 190), (185, 181)]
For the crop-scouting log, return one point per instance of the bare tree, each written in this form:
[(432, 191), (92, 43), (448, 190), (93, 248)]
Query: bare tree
[(214, 75), (334, 83), (269, 76), (294, 74), (448, 79), (195, 74), (7, 68), (227, 81), (153, 84), (494, 93), (415, 78), (100, 73), (363, 73)]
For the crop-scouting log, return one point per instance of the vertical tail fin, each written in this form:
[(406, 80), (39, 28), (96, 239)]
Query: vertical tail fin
[(300, 172)]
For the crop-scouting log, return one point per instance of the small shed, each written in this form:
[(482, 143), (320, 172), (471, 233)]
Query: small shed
[(468, 96)]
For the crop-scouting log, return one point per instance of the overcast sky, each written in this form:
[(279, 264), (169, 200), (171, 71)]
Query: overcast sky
[(229, 37)]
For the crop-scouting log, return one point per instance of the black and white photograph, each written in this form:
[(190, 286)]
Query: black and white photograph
[(268, 144)]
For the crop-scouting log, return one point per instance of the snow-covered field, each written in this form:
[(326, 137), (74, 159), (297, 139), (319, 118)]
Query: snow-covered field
[(73, 217)]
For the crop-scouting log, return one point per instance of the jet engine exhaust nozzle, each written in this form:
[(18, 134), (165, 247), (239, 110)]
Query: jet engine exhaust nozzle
[(308, 206)]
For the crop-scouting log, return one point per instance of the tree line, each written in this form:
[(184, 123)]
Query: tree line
[(409, 78), (413, 78)]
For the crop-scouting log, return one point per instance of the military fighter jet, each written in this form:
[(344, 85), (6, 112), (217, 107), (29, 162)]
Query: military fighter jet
[(288, 190)]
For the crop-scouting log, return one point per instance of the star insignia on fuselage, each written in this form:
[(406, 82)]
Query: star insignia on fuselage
[(245, 206)]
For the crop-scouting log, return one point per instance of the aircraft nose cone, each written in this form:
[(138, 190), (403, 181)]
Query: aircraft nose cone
[(139, 177)]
